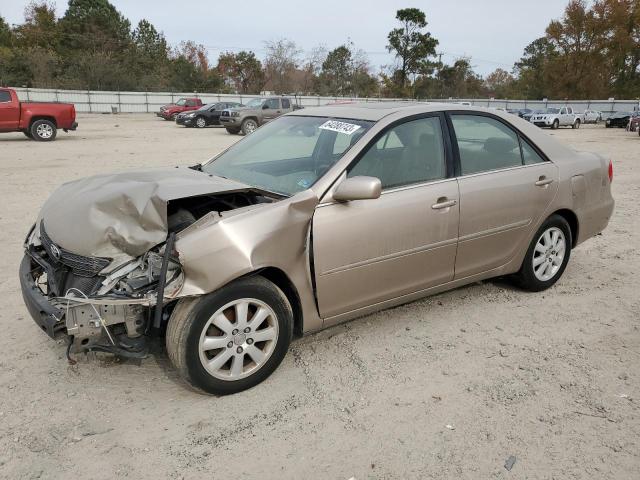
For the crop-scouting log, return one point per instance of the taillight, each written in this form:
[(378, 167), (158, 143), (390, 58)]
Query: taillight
[(610, 171)]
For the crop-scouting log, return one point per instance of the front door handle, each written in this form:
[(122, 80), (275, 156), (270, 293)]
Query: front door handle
[(442, 202), (543, 181)]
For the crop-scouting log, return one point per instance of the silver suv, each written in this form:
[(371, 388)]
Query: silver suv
[(256, 112)]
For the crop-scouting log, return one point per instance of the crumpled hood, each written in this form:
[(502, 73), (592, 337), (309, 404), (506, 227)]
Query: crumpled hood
[(107, 215)]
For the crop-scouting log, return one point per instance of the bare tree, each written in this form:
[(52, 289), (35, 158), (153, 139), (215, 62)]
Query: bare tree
[(280, 64)]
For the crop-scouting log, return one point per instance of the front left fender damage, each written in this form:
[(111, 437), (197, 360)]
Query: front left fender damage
[(217, 250)]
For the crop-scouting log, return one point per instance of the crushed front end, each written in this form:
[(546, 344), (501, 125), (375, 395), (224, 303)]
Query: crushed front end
[(98, 303)]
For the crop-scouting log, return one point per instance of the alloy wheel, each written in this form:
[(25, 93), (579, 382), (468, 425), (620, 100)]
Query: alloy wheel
[(44, 130), (250, 126), (549, 253), (238, 339)]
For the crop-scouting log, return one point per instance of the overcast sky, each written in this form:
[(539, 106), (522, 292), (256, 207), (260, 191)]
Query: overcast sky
[(492, 32)]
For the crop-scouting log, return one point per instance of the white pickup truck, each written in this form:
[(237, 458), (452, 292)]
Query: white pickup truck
[(557, 117)]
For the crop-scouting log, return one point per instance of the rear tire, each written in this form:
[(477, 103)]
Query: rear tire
[(576, 124), (222, 357), (43, 130), (27, 134), (547, 255)]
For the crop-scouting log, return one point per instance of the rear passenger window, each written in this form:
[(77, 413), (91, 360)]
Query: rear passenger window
[(411, 152), (485, 144), (5, 96), (529, 155), (286, 103)]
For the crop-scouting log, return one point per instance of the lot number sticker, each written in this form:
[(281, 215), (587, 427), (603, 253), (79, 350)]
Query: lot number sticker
[(340, 127)]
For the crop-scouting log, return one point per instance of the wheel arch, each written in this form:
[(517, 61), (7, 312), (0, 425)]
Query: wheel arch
[(281, 280), (35, 118), (572, 220)]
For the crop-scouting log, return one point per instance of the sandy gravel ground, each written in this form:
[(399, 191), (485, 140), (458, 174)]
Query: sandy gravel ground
[(447, 387)]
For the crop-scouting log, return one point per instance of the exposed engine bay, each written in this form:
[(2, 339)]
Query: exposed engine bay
[(111, 303)]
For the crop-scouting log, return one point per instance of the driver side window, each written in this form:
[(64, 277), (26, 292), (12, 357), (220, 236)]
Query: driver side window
[(412, 152), (272, 103)]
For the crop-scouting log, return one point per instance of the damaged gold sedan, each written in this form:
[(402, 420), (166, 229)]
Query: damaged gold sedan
[(320, 216)]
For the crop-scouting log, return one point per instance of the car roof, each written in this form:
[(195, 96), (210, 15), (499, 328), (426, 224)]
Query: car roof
[(375, 111)]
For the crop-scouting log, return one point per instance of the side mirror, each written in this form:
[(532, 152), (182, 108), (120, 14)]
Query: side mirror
[(358, 188)]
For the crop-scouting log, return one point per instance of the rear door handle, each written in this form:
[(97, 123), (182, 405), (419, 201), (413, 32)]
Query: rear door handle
[(443, 203), (543, 181)]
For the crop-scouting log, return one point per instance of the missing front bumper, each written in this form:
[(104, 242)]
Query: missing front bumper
[(48, 317)]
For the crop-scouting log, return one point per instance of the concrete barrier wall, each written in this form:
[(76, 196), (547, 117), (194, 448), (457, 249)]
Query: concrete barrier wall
[(87, 101)]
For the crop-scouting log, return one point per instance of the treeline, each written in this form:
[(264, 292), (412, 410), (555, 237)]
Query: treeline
[(593, 51)]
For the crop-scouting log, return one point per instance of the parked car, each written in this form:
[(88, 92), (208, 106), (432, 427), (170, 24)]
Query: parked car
[(321, 216), (37, 120), (634, 123), (557, 117), (208, 114), (521, 112), (527, 116), (256, 112), (619, 120), (171, 111), (591, 116)]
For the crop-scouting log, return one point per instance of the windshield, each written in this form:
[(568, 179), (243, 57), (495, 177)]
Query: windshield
[(553, 110), (181, 102), (255, 102), (288, 154)]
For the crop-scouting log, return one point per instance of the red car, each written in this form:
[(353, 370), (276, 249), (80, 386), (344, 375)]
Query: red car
[(37, 120), (171, 111)]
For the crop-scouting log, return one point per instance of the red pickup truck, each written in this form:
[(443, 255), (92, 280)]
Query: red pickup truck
[(171, 111), (37, 120)]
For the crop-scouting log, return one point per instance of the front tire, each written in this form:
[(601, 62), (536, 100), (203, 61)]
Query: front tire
[(555, 125), (232, 339), (249, 126), (200, 122), (43, 130), (547, 255)]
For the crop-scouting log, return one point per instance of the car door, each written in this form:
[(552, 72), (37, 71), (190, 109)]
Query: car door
[(214, 113), (271, 109), (505, 186), (9, 111), (369, 251)]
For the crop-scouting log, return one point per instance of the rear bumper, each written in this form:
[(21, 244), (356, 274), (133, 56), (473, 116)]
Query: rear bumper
[(49, 318)]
